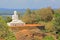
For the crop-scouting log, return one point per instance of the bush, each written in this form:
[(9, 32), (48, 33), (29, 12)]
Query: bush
[(49, 27), (5, 33), (36, 38), (10, 36), (59, 37), (48, 38)]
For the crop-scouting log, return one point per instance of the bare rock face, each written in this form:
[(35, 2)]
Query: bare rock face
[(23, 35), (1, 39), (26, 34)]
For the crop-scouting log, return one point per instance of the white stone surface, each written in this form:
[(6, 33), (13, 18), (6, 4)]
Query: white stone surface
[(15, 21)]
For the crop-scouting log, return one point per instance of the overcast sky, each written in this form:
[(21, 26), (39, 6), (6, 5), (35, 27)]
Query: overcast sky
[(32, 4)]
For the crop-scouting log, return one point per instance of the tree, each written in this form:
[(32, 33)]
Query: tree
[(48, 38), (57, 21), (8, 19), (57, 11), (19, 15), (31, 17), (46, 14), (49, 27), (59, 37), (5, 33), (26, 17)]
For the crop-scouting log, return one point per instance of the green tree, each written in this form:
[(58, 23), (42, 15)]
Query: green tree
[(19, 15), (48, 38), (5, 33), (49, 27), (8, 19), (57, 11), (59, 37), (57, 21), (26, 17), (31, 17), (35, 18), (46, 14)]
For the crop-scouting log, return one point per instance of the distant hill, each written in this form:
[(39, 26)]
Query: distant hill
[(4, 11)]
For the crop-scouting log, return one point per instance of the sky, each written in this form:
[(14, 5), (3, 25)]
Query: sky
[(32, 4)]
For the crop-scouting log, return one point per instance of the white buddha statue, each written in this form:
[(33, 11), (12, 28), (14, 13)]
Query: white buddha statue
[(15, 21), (15, 16)]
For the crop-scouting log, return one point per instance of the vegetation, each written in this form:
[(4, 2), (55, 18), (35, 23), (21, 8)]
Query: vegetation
[(59, 37), (46, 16), (57, 22), (8, 19), (48, 38), (5, 33)]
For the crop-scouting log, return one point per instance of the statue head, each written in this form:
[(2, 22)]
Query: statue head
[(15, 12)]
